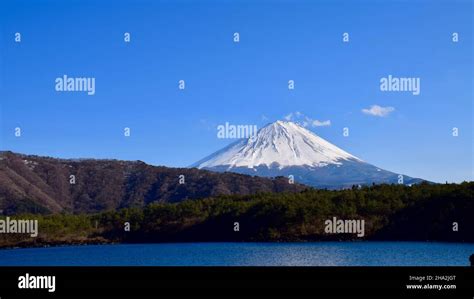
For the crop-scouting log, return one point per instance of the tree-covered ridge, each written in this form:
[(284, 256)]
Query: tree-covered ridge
[(32, 184), (391, 212)]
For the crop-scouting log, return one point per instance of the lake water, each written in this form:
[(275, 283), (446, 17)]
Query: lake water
[(245, 254)]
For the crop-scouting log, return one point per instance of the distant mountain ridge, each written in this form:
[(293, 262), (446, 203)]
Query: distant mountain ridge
[(285, 148), (42, 184)]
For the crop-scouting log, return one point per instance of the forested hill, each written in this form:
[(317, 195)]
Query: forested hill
[(48, 185), (424, 212)]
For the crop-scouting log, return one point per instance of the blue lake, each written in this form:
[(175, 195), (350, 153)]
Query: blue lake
[(245, 254)]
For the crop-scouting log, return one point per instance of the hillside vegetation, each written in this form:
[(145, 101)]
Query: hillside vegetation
[(424, 212), (32, 184)]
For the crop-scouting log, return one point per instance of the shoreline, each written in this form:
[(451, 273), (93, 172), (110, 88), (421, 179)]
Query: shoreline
[(101, 241)]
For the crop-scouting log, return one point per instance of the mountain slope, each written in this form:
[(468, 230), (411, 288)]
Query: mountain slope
[(281, 144), (285, 148), (42, 184)]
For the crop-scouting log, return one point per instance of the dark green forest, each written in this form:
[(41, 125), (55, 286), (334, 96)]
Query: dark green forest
[(423, 212)]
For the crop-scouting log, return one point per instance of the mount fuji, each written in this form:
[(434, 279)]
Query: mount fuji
[(285, 148)]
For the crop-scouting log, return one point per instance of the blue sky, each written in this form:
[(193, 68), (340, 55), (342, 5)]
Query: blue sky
[(239, 83)]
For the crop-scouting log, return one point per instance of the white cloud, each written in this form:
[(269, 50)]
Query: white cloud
[(318, 123), (207, 124), (379, 111), (306, 121)]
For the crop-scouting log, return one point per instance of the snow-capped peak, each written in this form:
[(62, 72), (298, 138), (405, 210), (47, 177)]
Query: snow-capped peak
[(279, 144)]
